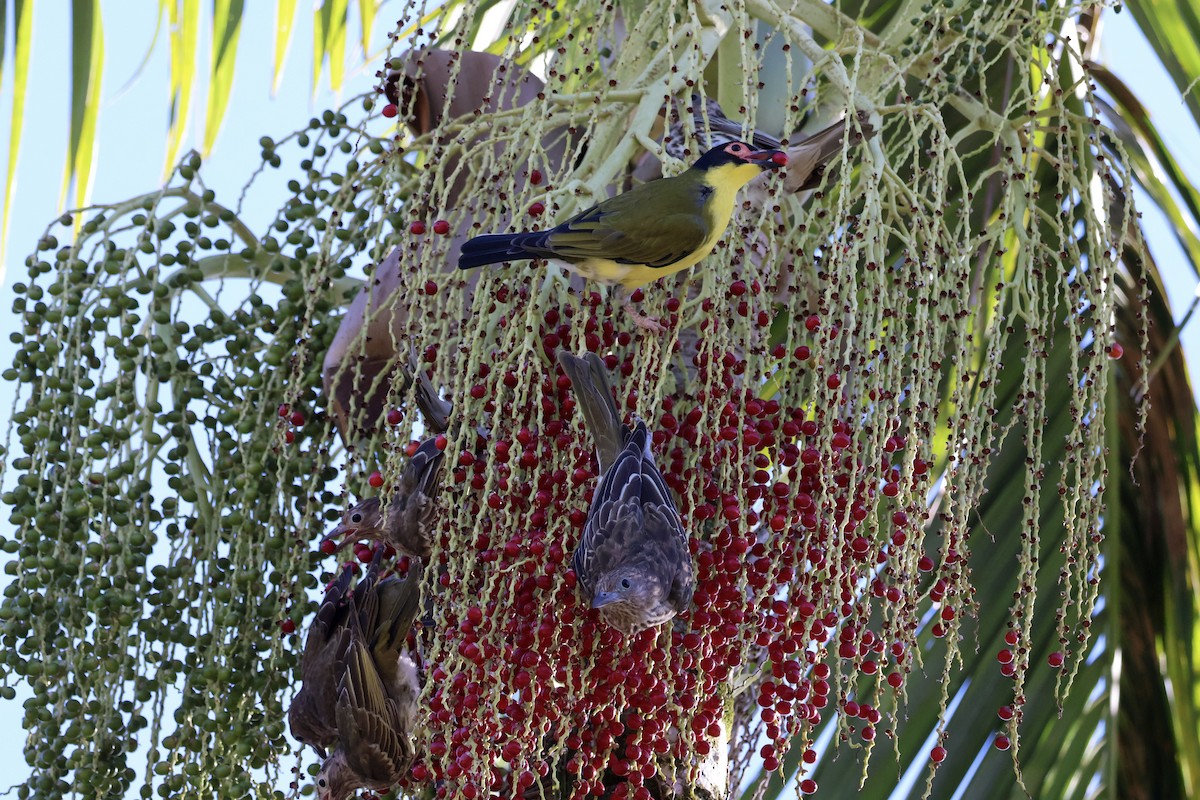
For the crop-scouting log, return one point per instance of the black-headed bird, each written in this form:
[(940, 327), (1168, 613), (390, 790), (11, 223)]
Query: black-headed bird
[(376, 706), (653, 230), (806, 160), (632, 562)]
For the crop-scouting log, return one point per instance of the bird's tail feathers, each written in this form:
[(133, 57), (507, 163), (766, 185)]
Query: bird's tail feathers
[(807, 159), (434, 410), (589, 378), (493, 248)]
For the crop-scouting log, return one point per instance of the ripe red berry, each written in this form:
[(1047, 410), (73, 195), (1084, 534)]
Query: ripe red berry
[(287, 626), (440, 441), (297, 418), (289, 436), (441, 227), (780, 158), (1005, 713), (284, 409), (535, 176), (417, 228), (808, 786), (430, 288), (938, 754), (1002, 742), (394, 417), (1115, 350), (329, 547), (536, 209), (1056, 659), (390, 110), (812, 322), (376, 479)]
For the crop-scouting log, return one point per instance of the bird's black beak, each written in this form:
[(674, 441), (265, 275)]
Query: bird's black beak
[(341, 536), (767, 159)]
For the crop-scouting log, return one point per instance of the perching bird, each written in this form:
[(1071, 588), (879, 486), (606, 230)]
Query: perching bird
[(647, 233), (632, 562), (376, 706), (806, 160), (406, 523), (311, 714)]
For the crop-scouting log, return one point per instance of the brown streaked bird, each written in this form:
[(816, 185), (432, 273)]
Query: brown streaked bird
[(311, 715), (632, 562), (406, 524), (806, 160), (376, 706)]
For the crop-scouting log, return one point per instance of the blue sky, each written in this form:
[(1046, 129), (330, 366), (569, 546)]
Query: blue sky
[(132, 145)]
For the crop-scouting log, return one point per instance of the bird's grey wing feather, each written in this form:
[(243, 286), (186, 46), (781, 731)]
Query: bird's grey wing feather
[(614, 522), (722, 129), (367, 717), (664, 529), (399, 602)]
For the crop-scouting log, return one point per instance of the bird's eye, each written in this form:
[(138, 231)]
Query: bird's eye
[(625, 584), (737, 149), (321, 782), (356, 518)]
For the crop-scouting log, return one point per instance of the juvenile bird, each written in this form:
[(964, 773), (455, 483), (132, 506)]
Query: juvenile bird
[(406, 522), (806, 160), (376, 705), (651, 231), (311, 715), (632, 562)]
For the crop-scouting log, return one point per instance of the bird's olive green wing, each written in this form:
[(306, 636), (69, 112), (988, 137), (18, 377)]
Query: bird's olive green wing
[(655, 224)]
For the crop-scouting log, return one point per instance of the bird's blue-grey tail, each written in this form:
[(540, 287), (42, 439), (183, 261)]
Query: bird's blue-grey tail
[(492, 248)]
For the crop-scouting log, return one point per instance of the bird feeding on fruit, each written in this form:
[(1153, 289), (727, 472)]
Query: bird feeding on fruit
[(652, 231), (633, 562)]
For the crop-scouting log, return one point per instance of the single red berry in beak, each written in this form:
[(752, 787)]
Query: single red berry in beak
[(780, 158)]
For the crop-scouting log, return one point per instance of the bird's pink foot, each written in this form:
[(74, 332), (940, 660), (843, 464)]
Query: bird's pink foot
[(641, 320)]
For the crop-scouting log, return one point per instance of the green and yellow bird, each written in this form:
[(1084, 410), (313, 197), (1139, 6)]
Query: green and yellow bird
[(647, 233)]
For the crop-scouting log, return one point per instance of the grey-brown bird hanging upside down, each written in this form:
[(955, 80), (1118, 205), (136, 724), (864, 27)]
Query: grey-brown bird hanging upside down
[(632, 562), (376, 706), (652, 231), (806, 160), (311, 715), (406, 523)]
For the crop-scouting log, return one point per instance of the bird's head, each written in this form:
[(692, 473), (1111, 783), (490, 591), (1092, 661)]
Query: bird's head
[(631, 599), (336, 780), (740, 161), (360, 521)]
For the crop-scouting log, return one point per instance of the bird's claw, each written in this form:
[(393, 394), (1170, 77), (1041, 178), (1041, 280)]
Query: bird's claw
[(641, 320)]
